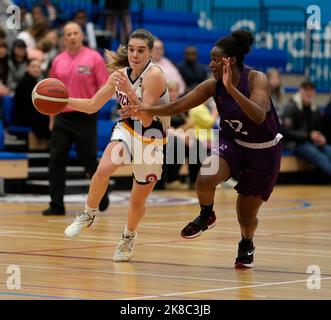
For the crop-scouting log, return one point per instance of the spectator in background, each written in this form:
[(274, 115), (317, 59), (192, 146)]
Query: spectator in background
[(301, 128), (83, 71), (81, 18), (202, 118), (45, 9), (51, 8), (326, 122), (40, 52), (4, 67), (177, 140), (118, 10), (192, 72), (3, 34), (26, 20), (38, 14), (170, 70), (196, 134), (34, 33), (25, 113), (51, 37), (18, 62), (277, 91)]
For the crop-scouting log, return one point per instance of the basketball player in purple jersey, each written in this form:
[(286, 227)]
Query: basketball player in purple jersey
[(249, 141)]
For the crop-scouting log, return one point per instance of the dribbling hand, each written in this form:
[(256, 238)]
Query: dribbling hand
[(132, 111)]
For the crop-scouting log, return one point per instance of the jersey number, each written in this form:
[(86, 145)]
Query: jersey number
[(236, 125)]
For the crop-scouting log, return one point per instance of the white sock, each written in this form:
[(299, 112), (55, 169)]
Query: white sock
[(90, 211), (128, 233)]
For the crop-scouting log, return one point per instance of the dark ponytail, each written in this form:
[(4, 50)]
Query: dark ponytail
[(244, 38), (238, 44)]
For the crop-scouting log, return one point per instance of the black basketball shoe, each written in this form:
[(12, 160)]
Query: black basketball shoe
[(199, 225), (245, 257)]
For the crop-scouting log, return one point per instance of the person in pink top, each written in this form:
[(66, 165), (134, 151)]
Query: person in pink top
[(83, 71)]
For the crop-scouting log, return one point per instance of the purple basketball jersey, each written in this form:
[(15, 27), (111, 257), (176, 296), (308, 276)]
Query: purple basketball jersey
[(252, 151), (233, 121)]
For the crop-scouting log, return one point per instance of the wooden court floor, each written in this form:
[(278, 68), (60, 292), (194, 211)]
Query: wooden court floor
[(292, 260)]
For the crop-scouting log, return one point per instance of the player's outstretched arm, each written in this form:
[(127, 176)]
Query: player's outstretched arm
[(95, 103), (194, 98)]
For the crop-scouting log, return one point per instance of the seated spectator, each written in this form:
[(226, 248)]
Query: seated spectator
[(34, 33), (277, 91), (170, 70), (189, 141), (202, 118), (26, 20), (45, 10), (40, 52), (52, 37), (18, 61), (38, 14), (326, 122), (25, 113), (3, 34), (301, 127), (51, 8), (192, 72), (4, 68), (177, 140)]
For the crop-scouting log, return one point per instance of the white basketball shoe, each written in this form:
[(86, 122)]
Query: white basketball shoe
[(83, 220), (124, 250)]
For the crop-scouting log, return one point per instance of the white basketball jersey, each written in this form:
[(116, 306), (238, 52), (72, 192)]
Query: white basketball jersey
[(137, 88)]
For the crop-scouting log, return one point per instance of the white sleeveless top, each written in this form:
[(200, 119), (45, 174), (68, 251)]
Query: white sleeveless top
[(137, 88)]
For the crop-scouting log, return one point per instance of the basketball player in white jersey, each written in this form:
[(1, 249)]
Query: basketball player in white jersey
[(136, 141)]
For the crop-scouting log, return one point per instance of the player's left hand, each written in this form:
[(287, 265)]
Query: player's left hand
[(125, 112), (227, 73), (133, 111), (122, 82)]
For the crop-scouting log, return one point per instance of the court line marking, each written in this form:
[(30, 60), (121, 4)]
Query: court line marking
[(294, 215), (58, 239), (7, 232), (61, 235), (223, 289), (69, 288), (135, 274), (263, 248), (176, 244), (225, 249), (32, 295)]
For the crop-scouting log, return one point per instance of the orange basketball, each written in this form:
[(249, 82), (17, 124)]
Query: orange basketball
[(50, 96)]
